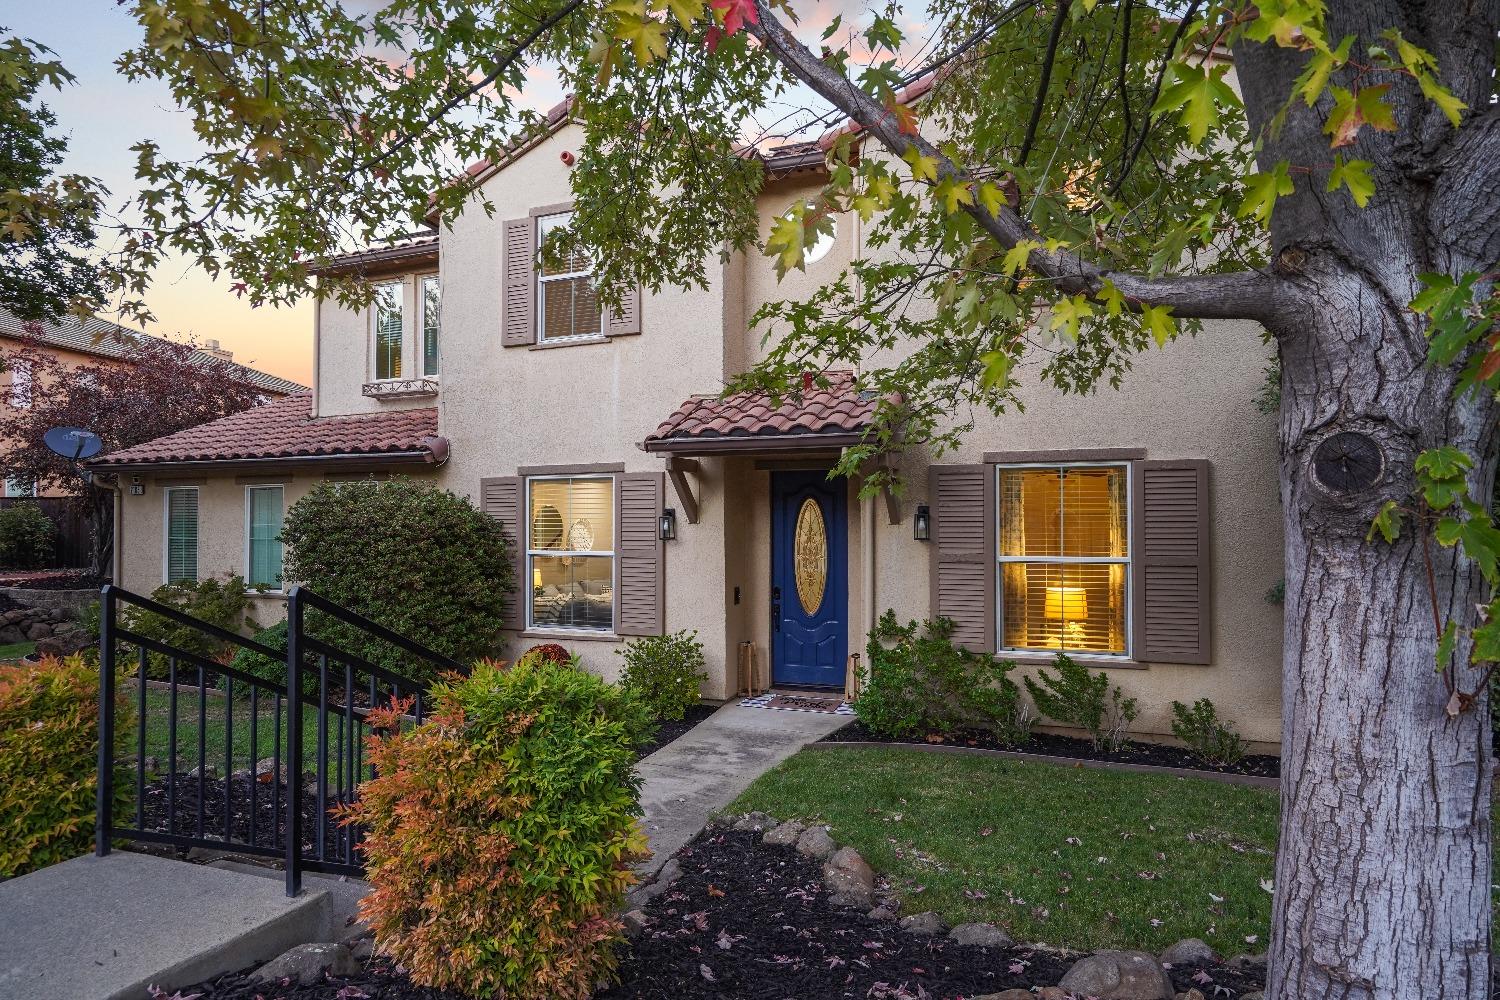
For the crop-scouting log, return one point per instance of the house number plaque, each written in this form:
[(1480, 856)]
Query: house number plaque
[(810, 556)]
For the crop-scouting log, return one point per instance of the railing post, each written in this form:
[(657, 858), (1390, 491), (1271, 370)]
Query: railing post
[(294, 619), (104, 819)]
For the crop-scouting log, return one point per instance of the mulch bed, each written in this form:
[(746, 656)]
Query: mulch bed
[(50, 579), (1259, 765), (266, 810), (674, 730)]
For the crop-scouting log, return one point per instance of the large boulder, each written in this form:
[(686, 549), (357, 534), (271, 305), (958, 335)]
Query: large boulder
[(784, 835), (850, 880), (1119, 975), (982, 935), (1188, 951), (816, 843), (926, 924), (306, 964)]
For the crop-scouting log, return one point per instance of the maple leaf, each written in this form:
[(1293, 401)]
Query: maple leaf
[(1352, 110), (906, 117), (1354, 175), (734, 14)]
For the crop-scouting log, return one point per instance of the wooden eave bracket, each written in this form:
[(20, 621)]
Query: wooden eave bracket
[(677, 471)]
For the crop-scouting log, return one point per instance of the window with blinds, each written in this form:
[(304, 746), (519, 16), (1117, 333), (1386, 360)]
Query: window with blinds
[(388, 324), (567, 304), (1064, 553), (263, 513), (570, 551), (182, 534), (431, 303)]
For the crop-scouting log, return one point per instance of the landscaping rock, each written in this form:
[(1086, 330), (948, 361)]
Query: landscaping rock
[(1191, 995), (1119, 975), (363, 949), (1010, 995), (1188, 951), (1053, 993), (1249, 961), (209, 771), (816, 843), (754, 822), (850, 880), (1257, 995), (638, 897), (983, 935), (306, 964), (927, 924), (784, 835), (635, 923), (882, 913)]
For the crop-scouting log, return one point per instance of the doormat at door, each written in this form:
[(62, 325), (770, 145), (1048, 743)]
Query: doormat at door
[(783, 701)]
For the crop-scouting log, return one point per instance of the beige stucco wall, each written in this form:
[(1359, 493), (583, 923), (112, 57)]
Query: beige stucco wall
[(345, 353)]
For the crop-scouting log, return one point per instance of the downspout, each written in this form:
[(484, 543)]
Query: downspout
[(867, 553), (317, 351)]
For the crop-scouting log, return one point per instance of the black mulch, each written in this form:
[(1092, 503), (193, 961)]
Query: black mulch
[(1260, 765), (673, 730), (269, 801)]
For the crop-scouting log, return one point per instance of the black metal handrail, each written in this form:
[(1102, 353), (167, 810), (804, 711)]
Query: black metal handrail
[(340, 686)]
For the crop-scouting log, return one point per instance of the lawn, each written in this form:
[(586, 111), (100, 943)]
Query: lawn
[(15, 650), (1070, 856), (159, 713)]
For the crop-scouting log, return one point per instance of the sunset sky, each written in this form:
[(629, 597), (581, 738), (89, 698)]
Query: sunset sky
[(102, 115)]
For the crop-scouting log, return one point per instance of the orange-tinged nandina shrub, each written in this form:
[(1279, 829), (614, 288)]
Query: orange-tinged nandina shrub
[(500, 832), (49, 746)]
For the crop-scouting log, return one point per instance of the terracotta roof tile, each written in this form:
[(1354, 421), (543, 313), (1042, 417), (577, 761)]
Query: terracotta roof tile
[(285, 430), (840, 409)]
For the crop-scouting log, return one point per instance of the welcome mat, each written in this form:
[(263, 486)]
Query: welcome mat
[(785, 701)]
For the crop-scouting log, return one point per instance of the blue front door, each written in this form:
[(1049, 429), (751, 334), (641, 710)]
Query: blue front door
[(809, 579)]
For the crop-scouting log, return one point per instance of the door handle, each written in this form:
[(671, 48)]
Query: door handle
[(776, 608)]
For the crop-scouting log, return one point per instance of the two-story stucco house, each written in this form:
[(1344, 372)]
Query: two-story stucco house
[(1138, 529)]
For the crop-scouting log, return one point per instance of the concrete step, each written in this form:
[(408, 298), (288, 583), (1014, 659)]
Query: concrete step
[(107, 928), (344, 893)]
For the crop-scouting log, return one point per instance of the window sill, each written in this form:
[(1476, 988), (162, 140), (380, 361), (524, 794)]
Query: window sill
[(269, 595), (564, 634), (569, 342), (1032, 658), (401, 388)]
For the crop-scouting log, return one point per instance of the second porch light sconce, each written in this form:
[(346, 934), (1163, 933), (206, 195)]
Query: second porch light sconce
[(668, 524), (921, 524)]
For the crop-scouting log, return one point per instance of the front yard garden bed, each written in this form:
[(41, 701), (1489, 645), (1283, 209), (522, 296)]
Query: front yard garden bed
[(1052, 745)]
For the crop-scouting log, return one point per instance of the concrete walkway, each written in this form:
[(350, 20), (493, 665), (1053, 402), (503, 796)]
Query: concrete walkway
[(106, 928), (689, 779)]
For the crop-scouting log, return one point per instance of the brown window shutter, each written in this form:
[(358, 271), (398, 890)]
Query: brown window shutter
[(518, 302), (1170, 545), (626, 320), (963, 552), (502, 499), (640, 590)]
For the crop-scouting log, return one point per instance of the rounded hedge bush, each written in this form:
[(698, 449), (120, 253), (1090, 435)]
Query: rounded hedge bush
[(421, 561), (500, 832)]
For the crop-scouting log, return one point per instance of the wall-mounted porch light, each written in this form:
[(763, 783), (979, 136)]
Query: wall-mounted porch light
[(668, 524), (921, 524)]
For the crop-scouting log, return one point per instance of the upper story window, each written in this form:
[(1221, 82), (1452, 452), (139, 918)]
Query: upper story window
[(567, 306), (19, 486), (263, 517), (570, 543), (181, 516), (389, 322), (21, 377), (1064, 553), (430, 303)]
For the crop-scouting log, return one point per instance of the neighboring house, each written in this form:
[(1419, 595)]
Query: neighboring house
[(90, 342), (1139, 529)]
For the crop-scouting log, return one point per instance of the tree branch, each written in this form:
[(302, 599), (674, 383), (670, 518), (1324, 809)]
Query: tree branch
[(1240, 295), (1045, 80)]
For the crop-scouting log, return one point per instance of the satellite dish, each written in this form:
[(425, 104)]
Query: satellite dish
[(73, 443)]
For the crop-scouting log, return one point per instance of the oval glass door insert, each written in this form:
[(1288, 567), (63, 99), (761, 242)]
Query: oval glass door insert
[(810, 556)]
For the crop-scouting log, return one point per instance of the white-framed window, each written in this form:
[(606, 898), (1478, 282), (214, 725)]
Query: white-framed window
[(21, 379), (570, 552), (180, 529), (1063, 546), (18, 486), (430, 313), (264, 507), (567, 305), (826, 237), (388, 321)]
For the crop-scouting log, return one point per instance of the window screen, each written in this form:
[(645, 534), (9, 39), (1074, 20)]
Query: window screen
[(566, 299), (570, 531), (264, 512), (182, 534), (1064, 555), (388, 330), (432, 304)]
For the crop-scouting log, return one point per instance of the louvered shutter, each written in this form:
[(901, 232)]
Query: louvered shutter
[(1171, 556), (963, 551), (626, 320), (518, 303), (641, 590), (501, 498)]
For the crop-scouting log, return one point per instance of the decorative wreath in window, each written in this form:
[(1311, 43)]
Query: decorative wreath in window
[(581, 535)]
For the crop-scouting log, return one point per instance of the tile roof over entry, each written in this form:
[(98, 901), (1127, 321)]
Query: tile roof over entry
[(284, 431), (817, 417)]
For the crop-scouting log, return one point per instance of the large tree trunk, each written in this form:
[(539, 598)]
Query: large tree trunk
[(1383, 872)]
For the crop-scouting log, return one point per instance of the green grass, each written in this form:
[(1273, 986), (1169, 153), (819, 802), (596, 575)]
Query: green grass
[(159, 713), (15, 650), (1074, 857)]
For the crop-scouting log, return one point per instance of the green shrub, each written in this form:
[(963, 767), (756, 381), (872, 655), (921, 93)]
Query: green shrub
[(1201, 731), (918, 682), (49, 746), (500, 833), (27, 537), (421, 561), (218, 602), (1075, 697), (664, 672), (264, 667)]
